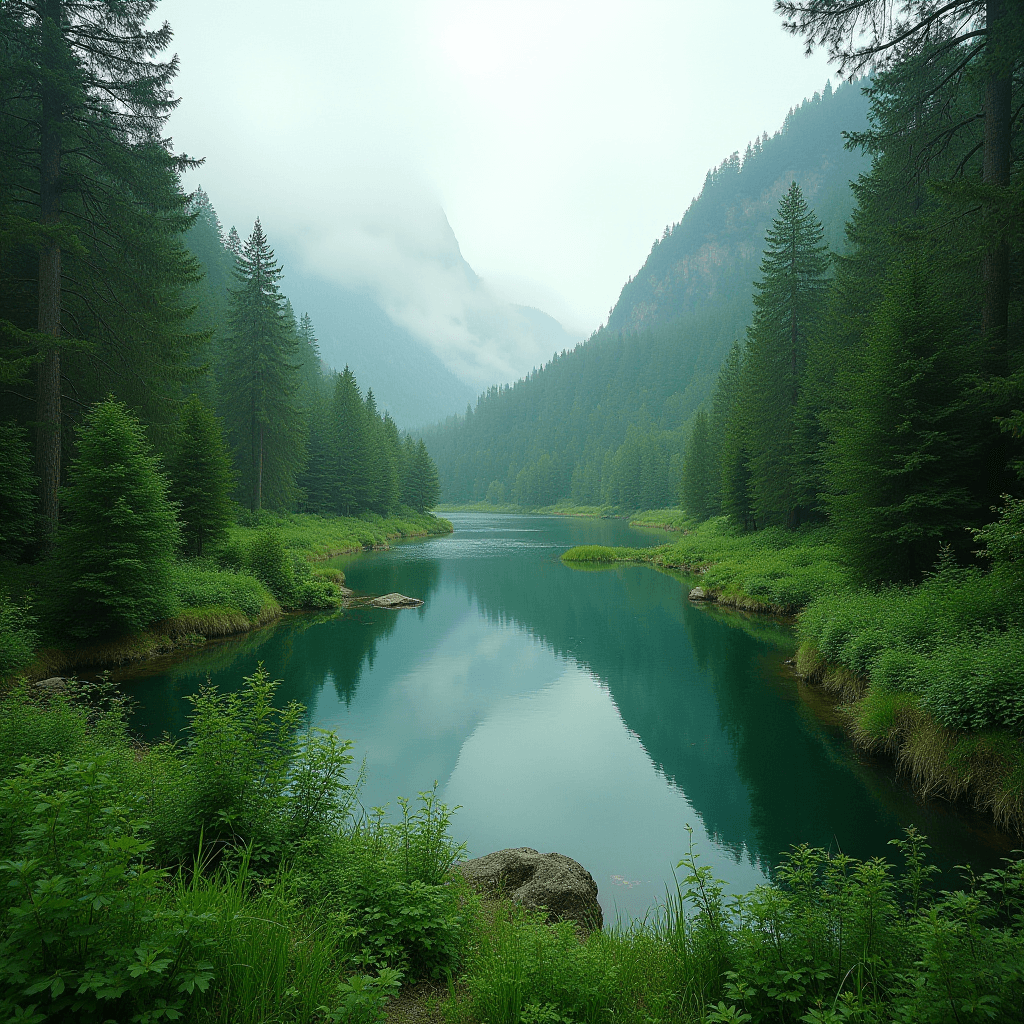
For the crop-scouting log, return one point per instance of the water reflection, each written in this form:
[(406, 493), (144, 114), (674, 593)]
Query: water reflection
[(594, 713)]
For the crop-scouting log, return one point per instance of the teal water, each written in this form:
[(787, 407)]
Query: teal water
[(592, 712)]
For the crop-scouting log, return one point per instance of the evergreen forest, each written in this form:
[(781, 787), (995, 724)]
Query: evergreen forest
[(159, 390), (815, 382)]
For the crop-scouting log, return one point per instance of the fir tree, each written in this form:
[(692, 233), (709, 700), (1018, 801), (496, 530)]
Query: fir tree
[(697, 489), (260, 380), (18, 503), (901, 460), (115, 553), (351, 449), (786, 300), (200, 470), (98, 198)]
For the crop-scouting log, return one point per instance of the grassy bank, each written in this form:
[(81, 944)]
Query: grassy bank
[(266, 566), (930, 674), (235, 877)]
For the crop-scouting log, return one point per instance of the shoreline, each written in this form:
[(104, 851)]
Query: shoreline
[(982, 769), (193, 628)]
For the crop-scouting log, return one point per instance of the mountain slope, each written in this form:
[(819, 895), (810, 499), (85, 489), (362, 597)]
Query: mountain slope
[(605, 422)]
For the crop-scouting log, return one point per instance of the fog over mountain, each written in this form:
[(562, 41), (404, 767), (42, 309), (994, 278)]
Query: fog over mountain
[(392, 297)]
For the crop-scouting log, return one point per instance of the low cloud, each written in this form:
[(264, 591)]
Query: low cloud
[(404, 253)]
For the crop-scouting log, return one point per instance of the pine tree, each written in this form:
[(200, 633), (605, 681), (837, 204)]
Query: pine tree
[(902, 456), (724, 403), (201, 474), (18, 503), (115, 553), (787, 299), (260, 380), (351, 450), (697, 488), (98, 195), (426, 487)]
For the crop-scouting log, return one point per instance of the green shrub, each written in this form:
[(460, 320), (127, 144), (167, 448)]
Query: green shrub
[(267, 560), (113, 562), (85, 936), (18, 636), (247, 778), (200, 583)]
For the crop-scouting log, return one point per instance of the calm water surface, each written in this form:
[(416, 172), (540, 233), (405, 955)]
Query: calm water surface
[(596, 713)]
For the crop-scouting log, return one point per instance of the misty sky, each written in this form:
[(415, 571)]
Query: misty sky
[(558, 137)]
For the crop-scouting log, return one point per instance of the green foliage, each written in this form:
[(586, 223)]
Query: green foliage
[(247, 778), (787, 300), (18, 636), (113, 565), (200, 583), (903, 456), (17, 492), (406, 910), (955, 641), (259, 380), (200, 471), (698, 490), (84, 934), (267, 560)]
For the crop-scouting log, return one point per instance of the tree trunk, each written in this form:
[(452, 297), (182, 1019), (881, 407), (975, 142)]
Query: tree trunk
[(996, 171), (48, 394)]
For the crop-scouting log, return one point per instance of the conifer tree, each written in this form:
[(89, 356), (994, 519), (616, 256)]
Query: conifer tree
[(200, 471), (698, 484), (18, 503), (901, 459), (351, 449), (115, 552), (98, 196), (425, 488), (260, 380), (786, 300)]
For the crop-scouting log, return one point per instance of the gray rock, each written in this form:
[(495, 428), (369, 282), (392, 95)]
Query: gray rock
[(395, 601), (52, 686), (551, 882), (699, 594)]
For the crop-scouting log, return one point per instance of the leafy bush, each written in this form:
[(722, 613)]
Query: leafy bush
[(405, 908), (267, 560), (84, 934), (247, 778), (18, 637), (200, 583)]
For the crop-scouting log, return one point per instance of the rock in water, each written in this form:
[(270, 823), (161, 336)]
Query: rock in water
[(699, 594), (540, 881), (395, 601)]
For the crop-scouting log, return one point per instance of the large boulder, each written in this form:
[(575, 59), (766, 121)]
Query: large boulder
[(551, 882)]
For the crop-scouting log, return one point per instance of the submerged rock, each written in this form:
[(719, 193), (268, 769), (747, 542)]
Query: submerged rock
[(699, 594), (552, 882), (395, 601)]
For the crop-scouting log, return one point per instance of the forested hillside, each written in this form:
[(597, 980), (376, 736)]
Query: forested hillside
[(607, 421)]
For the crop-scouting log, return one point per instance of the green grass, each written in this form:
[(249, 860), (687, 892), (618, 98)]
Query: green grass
[(319, 537), (772, 570), (931, 673)]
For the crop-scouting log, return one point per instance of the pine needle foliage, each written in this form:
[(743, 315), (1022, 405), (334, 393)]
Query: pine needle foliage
[(114, 560), (260, 380), (787, 300), (200, 470)]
